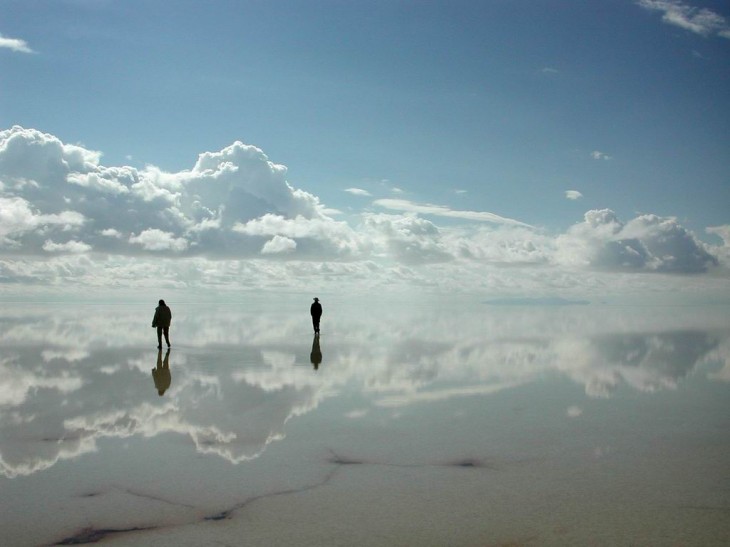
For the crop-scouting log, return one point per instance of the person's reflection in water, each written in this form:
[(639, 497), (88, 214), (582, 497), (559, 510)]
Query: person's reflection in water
[(161, 374), (316, 356)]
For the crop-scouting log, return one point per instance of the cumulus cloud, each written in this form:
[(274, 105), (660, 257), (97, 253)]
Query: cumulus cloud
[(111, 232), (17, 218), (721, 251), (15, 44), (502, 246), (157, 240), (647, 243), (52, 190), (67, 247), (702, 21), (64, 216), (279, 244), (317, 236), (407, 239)]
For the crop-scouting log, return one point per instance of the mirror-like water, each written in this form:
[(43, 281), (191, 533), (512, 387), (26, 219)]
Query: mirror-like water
[(550, 425)]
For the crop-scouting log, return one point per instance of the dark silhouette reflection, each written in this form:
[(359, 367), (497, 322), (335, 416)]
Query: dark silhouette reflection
[(316, 356), (161, 374)]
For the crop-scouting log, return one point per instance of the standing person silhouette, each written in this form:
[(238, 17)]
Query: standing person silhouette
[(315, 310), (162, 320)]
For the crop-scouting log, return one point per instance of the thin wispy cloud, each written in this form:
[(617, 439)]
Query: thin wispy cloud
[(573, 194), (406, 206), (358, 192), (15, 44), (701, 21), (598, 155)]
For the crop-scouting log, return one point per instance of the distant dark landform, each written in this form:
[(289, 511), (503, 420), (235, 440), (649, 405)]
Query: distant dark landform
[(548, 301)]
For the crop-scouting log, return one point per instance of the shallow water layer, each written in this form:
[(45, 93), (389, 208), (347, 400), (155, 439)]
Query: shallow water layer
[(491, 425)]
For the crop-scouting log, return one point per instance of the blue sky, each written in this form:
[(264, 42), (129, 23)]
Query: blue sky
[(495, 107)]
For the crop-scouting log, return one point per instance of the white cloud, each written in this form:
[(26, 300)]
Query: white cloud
[(573, 194), (233, 220), (721, 251), (574, 411), (98, 181), (186, 212), (440, 210), (67, 247), (358, 192), (723, 232), (279, 244), (646, 243), (157, 240), (323, 236), (598, 155), (111, 232), (698, 20), (407, 239), (17, 217), (504, 245), (15, 44)]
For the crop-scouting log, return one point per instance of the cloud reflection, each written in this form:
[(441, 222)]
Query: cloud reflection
[(70, 377)]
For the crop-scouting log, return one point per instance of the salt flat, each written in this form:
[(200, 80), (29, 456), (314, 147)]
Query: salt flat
[(478, 425)]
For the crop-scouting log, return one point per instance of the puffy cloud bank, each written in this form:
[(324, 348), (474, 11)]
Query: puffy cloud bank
[(234, 213), (646, 243), (57, 196)]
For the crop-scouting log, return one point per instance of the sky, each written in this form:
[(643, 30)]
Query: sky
[(506, 149)]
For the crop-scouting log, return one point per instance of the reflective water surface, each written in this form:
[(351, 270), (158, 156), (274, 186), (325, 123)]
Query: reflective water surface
[(493, 425)]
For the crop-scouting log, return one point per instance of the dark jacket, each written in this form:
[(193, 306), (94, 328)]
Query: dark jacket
[(316, 309), (163, 317)]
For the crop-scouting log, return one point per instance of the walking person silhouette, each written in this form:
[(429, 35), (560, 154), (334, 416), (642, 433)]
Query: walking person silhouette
[(162, 320), (315, 310)]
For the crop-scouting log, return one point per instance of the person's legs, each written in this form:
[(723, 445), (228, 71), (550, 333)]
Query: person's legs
[(166, 330), (316, 325), (159, 337)]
